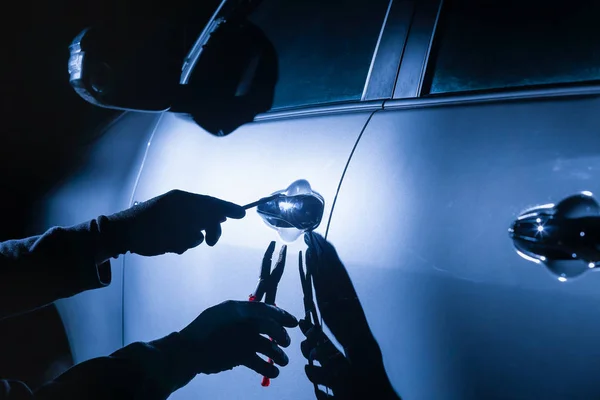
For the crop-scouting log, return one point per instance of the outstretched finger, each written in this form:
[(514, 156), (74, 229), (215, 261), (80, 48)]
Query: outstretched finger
[(255, 310), (261, 367), (229, 209)]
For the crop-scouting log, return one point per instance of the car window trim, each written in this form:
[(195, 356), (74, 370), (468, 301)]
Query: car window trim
[(191, 58), (385, 64), (321, 109), (376, 51), (413, 65), (567, 90)]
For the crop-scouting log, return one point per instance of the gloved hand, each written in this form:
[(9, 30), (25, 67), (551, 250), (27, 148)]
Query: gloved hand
[(335, 371), (360, 372), (170, 223), (229, 335)]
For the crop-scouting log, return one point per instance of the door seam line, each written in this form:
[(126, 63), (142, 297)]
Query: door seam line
[(131, 200), (344, 171)]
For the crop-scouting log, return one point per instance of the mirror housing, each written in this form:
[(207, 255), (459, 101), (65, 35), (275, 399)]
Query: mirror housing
[(133, 68), (229, 78), (233, 80)]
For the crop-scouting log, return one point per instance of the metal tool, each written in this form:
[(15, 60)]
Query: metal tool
[(262, 201), (310, 309), (267, 283)]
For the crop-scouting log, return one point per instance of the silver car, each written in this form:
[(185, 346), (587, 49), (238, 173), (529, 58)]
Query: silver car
[(428, 127)]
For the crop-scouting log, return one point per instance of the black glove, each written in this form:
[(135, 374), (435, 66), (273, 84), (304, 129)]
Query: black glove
[(335, 371), (229, 334), (170, 223), (360, 373)]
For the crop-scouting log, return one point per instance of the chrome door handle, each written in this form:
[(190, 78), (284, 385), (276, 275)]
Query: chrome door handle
[(564, 237)]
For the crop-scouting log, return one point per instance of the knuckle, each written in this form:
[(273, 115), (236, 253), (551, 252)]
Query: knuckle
[(230, 304), (233, 308), (206, 200)]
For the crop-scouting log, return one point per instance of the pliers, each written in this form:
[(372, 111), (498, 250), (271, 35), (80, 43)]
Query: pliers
[(311, 317), (267, 283), (310, 309)]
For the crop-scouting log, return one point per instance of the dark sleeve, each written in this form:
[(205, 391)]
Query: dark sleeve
[(139, 371), (41, 269), (14, 390)]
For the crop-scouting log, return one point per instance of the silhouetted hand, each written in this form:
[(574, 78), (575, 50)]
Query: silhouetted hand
[(170, 223), (336, 297), (229, 335), (335, 371), (359, 373)]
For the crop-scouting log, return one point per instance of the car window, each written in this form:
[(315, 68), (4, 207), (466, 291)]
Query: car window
[(324, 48), (495, 44)]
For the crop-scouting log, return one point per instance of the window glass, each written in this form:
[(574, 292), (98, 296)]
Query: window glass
[(324, 48), (495, 44)]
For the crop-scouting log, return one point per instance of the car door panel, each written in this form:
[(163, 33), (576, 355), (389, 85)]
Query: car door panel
[(93, 320), (164, 294), (422, 220)]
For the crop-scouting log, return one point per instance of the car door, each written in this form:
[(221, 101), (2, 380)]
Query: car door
[(495, 113), (102, 185), (326, 92)]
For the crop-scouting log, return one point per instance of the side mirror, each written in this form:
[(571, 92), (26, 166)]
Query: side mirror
[(139, 68), (232, 81), (135, 67)]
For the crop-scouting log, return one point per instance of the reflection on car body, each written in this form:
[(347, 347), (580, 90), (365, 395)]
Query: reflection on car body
[(427, 127)]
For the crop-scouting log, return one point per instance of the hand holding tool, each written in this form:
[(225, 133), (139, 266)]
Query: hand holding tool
[(267, 283)]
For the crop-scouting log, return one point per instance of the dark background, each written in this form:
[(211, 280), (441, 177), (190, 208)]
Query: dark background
[(45, 125), (45, 131)]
